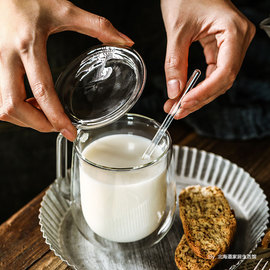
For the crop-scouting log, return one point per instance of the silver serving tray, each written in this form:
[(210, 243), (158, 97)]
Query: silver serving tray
[(191, 167)]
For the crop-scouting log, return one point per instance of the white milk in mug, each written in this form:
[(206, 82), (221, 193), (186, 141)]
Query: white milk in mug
[(124, 205)]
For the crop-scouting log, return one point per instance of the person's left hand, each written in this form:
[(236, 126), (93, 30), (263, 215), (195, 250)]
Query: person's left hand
[(224, 33), (25, 26)]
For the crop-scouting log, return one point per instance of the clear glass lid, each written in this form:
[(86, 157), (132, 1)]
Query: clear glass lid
[(101, 85)]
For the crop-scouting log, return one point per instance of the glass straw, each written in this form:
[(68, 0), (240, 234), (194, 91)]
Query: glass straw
[(167, 121)]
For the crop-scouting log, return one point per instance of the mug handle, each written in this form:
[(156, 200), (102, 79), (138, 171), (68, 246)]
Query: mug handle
[(61, 166)]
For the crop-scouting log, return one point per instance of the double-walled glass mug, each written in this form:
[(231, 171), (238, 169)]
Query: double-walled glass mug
[(119, 208), (118, 200)]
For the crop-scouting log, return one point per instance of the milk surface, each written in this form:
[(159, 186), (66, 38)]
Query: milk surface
[(122, 206)]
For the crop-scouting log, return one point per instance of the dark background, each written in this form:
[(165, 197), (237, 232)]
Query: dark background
[(27, 157)]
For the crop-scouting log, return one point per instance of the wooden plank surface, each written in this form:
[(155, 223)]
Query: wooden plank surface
[(21, 243), (49, 262)]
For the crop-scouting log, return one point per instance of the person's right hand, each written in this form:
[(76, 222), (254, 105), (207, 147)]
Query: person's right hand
[(24, 30), (224, 33)]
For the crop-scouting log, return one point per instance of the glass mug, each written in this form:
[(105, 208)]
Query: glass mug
[(265, 25), (116, 208)]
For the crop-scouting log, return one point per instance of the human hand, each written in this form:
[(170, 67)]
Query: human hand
[(224, 33), (24, 30)]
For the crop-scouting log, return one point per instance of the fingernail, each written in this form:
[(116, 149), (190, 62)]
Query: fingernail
[(181, 113), (131, 42), (173, 88), (68, 134)]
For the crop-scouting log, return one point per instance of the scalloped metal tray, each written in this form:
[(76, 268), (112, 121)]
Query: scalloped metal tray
[(191, 167)]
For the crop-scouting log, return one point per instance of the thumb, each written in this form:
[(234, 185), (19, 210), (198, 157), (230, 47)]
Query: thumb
[(176, 65), (87, 23)]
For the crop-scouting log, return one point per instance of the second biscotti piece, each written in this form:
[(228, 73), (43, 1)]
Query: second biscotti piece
[(185, 258), (208, 222)]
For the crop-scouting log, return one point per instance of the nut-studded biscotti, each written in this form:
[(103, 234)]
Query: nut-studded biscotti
[(208, 222), (186, 259)]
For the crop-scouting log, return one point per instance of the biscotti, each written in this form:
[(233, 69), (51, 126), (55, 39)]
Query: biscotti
[(186, 259), (208, 222)]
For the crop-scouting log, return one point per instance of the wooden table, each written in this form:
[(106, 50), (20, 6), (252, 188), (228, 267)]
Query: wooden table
[(21, 242)]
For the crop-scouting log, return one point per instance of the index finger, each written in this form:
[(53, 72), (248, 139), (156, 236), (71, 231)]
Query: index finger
[(41, 82), (229, 60)]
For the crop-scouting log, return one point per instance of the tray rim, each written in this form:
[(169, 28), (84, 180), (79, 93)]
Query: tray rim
[(56, 182)]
